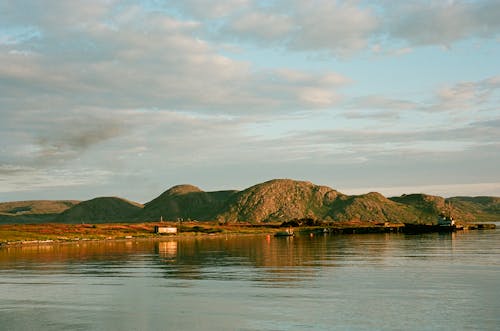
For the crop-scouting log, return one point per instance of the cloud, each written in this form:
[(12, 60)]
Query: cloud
[(342, 28), (74, 136), (209, 9), (442, 22), (467, 95), (261, 27), (128, 57), (472, 96), (339, 28)]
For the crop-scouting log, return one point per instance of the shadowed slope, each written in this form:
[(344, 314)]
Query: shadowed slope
[(483, 209), (276, 200), (372, 206), (33, 211), (186, 202), (101, 210)]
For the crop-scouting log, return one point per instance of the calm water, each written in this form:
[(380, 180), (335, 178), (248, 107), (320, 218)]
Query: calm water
[(351, 282)]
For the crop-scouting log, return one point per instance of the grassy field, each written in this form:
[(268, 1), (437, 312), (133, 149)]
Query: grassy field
[(19, 233), (51, 232)]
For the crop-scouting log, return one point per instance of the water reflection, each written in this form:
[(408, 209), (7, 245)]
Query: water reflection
[(254, 283), (277, 259)]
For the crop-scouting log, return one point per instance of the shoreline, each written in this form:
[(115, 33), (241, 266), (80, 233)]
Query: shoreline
[(51, 233)]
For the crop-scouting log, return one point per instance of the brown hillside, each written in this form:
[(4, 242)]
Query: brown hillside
[(33, 211), (101, 210), (427, 207), (372, 206), (483, 209), (465, 209), (36, 207), (186, 202), (280, 200)]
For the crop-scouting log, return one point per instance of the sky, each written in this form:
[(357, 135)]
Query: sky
[(128, 98)]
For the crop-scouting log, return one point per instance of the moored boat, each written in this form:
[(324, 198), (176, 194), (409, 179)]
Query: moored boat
[(286, 233)]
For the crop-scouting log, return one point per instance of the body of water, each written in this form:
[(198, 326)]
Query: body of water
[(338, 282)]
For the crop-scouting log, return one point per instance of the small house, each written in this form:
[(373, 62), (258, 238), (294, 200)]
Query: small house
[(165, 229)]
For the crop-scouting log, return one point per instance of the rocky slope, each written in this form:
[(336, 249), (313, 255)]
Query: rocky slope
[(278, 200), (372, 206), (272, 201), (482, 209)]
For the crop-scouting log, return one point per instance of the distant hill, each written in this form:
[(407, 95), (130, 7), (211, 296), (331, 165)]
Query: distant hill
[(425, 207), (101, 210), (186, 202), (285, 199), (372, 206), (482, 209), (276, 200), (33, 211)]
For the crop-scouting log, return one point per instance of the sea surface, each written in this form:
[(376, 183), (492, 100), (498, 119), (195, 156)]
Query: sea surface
[(332, 282)]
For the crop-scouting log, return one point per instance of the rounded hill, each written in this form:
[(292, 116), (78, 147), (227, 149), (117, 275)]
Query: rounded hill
[(278, 200), (186, 202), (101, 210)]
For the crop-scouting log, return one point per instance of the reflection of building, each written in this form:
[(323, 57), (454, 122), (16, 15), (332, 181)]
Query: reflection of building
[(167, 248), (165, 230)]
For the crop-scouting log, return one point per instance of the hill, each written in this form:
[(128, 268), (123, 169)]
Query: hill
[(276, 200), (33, 211), (101, 210), (279, 200), (372, 206), (426, 207), (186, 202), (482, 209)]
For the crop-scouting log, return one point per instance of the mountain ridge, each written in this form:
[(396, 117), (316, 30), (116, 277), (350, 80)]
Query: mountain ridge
[(276, 200)]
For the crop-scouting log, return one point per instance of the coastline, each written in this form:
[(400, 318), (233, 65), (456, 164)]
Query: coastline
[(51, 233)]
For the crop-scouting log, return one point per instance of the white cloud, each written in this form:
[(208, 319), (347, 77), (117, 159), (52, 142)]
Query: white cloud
[(342, 28), (261, 26), (442, 22), (467, 94), (131, 57), (29, 178)]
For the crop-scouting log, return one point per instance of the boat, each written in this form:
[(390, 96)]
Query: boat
[(285, 233), (445, 217)]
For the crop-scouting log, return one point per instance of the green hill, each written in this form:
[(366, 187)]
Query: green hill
[(279, 200), (33, 211), (482, 209), (186, 202), (101, 210), (372, 206), (276, 200)]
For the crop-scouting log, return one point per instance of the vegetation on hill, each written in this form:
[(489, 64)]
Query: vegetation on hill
[(372, 206), (33, 211), (482, 209), (277, 200), (101, 210), (186, 202)]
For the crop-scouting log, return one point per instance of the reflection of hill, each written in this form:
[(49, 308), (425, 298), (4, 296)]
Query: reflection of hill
[(265, 260)]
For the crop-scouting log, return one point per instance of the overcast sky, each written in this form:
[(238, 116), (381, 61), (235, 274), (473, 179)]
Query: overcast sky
[(128, 98)]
